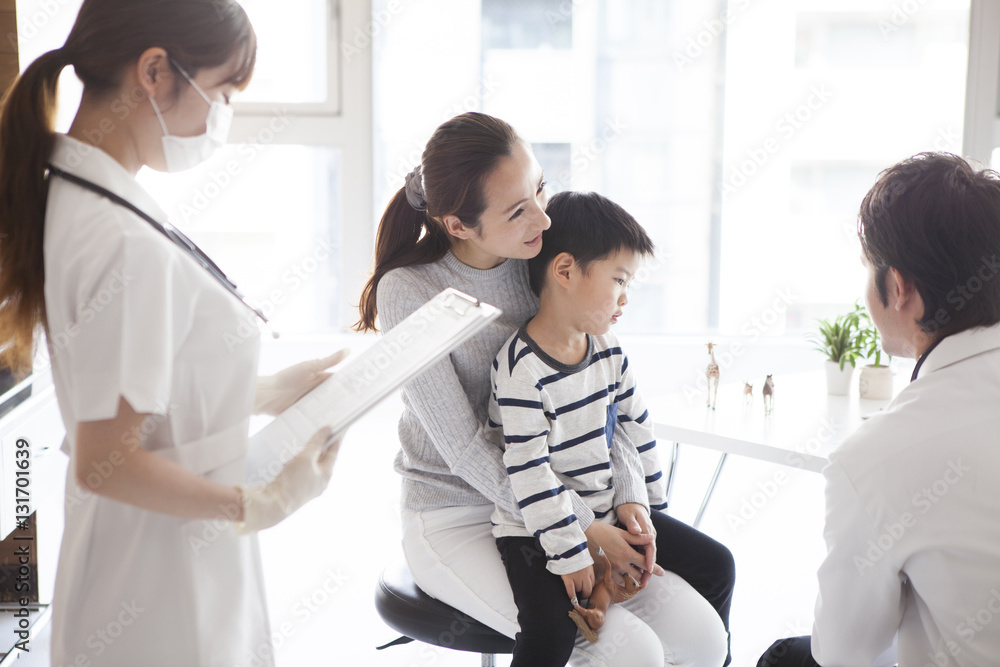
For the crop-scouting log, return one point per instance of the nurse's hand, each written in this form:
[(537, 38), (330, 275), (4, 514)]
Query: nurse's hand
[(304, 477), (276, 393)]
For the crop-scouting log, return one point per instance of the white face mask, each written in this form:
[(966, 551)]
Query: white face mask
[(183, 153)]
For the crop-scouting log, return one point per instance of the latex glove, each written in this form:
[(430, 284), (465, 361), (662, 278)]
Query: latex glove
[(304, 477), (276, 393)]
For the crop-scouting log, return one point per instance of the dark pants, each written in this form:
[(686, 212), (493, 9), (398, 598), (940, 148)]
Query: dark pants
[(791, 652), (542, 604), (547, 632)]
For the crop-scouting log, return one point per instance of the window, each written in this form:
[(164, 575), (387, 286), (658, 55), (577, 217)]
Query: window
[(742, 135), (269, 208)]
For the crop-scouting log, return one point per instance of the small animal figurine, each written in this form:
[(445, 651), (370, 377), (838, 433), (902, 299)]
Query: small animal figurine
[(768, 393), (712, 372), (606, 592), (747, 393)]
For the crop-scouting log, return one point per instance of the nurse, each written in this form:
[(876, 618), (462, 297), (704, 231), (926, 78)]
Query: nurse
[(153, 568)]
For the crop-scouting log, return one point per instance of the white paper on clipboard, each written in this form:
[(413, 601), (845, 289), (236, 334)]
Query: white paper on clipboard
[(358, 384)]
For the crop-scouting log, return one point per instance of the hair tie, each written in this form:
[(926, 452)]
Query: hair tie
[(415, 189)]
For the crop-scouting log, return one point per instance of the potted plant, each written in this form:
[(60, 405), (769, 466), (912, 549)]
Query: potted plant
[(839, 341), (875, 382)]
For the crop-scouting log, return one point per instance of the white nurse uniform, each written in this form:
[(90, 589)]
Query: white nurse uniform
[(131, 315)]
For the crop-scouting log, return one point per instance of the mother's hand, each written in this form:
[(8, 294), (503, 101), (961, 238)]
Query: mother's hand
[(618, 547)]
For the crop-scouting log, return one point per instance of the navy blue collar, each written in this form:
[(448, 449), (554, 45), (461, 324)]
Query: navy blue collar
[(920, 361)]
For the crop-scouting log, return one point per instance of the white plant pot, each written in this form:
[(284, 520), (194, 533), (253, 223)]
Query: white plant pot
[(876, 383), (838, 382)]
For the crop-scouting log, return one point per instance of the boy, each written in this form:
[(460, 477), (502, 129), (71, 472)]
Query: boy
[(561, 387)]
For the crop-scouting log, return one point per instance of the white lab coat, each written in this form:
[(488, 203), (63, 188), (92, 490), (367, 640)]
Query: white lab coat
[(913, 520), (132, 315)]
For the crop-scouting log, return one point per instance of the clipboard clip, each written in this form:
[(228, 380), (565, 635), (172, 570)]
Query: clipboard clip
[(463, 303)]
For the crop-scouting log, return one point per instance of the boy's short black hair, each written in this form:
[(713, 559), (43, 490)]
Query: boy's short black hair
[(589, 227)]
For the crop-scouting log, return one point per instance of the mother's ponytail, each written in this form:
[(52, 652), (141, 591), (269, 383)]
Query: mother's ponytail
[(459, 157), (27, 119), (406, 236)]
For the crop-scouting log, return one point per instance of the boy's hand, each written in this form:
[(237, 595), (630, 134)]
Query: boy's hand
[(582, 581)]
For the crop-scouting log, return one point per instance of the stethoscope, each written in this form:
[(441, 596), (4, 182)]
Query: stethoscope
[(172, 233)]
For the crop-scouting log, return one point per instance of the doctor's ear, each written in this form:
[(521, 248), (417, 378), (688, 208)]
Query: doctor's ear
[(902, 290)]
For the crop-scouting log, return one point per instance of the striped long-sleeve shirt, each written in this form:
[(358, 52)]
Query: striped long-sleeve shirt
[(557, 423)]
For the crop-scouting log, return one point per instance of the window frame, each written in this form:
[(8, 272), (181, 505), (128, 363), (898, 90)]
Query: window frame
[(347, 128)]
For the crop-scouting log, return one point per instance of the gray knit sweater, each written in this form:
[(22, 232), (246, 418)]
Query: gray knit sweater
[(445, 458)]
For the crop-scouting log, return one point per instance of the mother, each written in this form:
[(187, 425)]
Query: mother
[(468, 217)]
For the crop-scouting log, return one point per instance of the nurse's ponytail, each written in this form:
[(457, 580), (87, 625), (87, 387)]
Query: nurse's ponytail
[(107, 37), (27, 117), (451, 180)]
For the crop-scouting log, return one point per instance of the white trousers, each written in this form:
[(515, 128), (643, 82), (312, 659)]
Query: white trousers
[(453, 557)]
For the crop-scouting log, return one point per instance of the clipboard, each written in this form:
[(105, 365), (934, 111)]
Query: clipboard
[(362, 381)]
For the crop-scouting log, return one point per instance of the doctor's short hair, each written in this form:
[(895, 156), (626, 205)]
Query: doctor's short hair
[(588, 226), (936, 220)]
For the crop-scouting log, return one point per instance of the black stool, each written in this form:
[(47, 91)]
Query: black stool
[(408, 610)]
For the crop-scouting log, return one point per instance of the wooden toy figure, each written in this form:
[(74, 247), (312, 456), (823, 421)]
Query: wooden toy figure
[(768, 393), (712, 372), (747, 393), (606, 592)]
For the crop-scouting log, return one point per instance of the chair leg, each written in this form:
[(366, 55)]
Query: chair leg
[(489, 660), (674, 455), (710, 490)]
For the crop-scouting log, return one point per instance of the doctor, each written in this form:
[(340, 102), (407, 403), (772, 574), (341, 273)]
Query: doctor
[(912, 525), (152, 570)]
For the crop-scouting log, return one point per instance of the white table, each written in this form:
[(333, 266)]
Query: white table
[(806, 423)]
